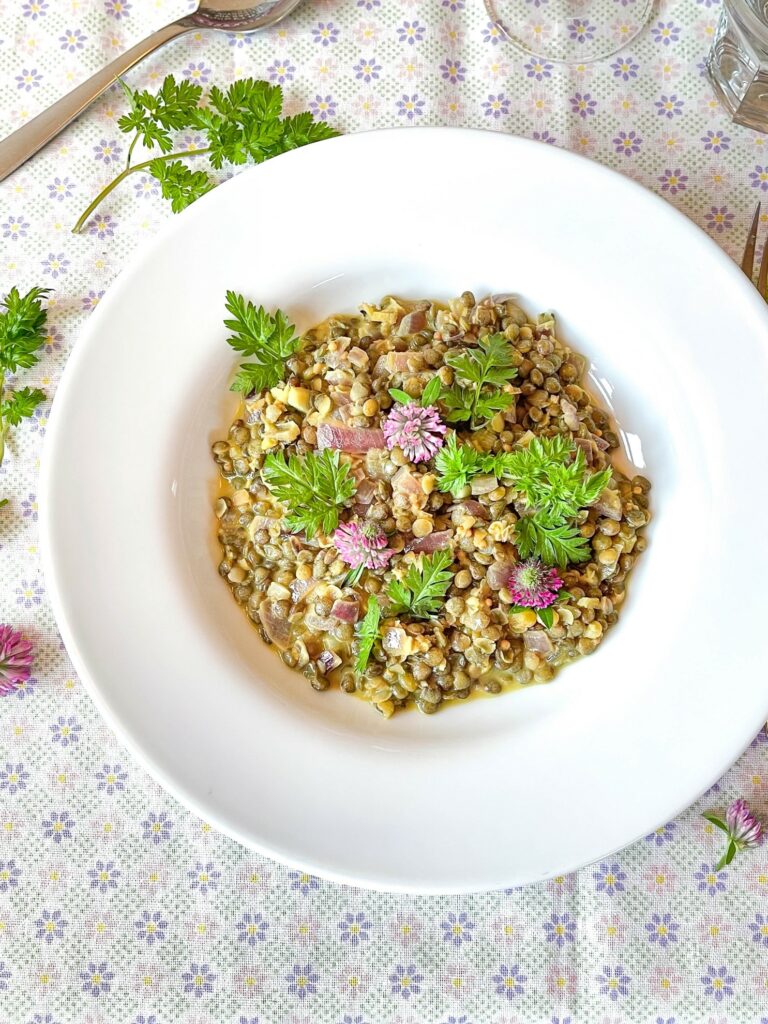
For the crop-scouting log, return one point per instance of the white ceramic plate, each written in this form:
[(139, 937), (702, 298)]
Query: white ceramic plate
[(495, 792)]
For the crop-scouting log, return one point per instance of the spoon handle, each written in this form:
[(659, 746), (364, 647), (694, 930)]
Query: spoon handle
[(18, 147)]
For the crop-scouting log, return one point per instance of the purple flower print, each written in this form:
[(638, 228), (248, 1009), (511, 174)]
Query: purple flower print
[(673, 181), (614, 982), (627, 143), (759, 177), (204, 877), (666, 33), (410, 106), (325, 33), (197, 72), (37, 426), (281, 71), (496, 106), (5, 976), (103, 875), (29, 79), (239, 40), (410, 32), (323, 107), (53, 342), (102, 226), (669, 107), (108, 151), (151, 927), (711, 881), (560, 929), (716, 142), (111, 778), (25, 688), (15, 228), (509, 981), (405, 981), (9, 875), (302, 981), (13, 778), (759, 929), (580, 30), (545, 137), (91, 300), (719, 219), (198, 980), (355, 928), (625, 68), (30, 508), (117, 9), (157, 827), (35, 9), (72, 40), (146, 186), (662, 930), (718, 983), (491, 34), (57, 826), (50, 925), (368, 5), (251, 929), (454, 5), (457, 929), (538, 69), (610, 878), (61, 188), (55, 265), (453, 71), (65, 731), (583, 105), (302, 882), (367, 70)]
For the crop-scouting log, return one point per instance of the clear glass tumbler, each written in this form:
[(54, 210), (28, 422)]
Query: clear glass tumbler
[(737, 64)]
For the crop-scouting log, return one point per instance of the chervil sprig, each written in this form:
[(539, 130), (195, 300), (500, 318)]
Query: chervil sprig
[(243, 123), (22, 334), (269, 340), (313, 488), (420, 592), (481, 374), (456, 464), (367, 633)]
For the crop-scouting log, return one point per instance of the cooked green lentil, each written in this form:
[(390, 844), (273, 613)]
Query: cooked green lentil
[(288, 585)]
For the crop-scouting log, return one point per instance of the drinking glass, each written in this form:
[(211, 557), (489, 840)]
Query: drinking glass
[(737, 64)]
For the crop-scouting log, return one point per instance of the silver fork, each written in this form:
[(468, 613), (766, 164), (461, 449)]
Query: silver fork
[(748, 259)]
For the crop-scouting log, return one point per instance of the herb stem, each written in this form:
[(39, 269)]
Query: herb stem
[(83, 219), (130, 150)]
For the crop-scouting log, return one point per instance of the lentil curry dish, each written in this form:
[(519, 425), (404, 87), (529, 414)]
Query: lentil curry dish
[(419, 501)]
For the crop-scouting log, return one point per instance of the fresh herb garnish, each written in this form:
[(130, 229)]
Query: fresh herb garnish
[(457, 464), (313, 488), (22, 327), (423, 587), (429, 395), (270, 340), (481, 373), (367, 632), (244, 123)]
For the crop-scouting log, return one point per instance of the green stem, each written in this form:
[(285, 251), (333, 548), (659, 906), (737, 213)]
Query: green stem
[(83, 219), (3, 425), (130, 151)]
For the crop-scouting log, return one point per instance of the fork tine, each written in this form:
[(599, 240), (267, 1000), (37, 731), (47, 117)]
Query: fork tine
[(748, 259), (762, 279)]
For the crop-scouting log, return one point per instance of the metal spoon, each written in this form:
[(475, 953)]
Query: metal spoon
[(225, 15)]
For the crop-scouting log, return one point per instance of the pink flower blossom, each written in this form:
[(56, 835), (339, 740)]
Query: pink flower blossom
[(506, 928), (352, 981), (611, 928), (405, 929), (16, 657), (416, 429), (664, 982), (452, 109), (714, 930), (754, 781), (457, 980), (561, 981), (562, 883), (452, 35), (659, 878), (364, 545), (532, 584), (744, 828), (539, 103), (757, 878), (625, 105)]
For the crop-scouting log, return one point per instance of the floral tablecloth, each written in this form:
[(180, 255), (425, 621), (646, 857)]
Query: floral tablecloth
[(118, 905)]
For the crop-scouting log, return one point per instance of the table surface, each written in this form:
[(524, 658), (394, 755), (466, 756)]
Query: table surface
[(113, 898)]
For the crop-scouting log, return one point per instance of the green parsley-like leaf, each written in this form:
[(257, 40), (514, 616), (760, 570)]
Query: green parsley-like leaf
[(423, 587), (489, 365), (456, 464), (554, 543), (269, 340), (400, 396), (179, 184), (154, 117), (22, 328), (431, 392), (313, 489), (20, 405), (546, 617), (367, 632)]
